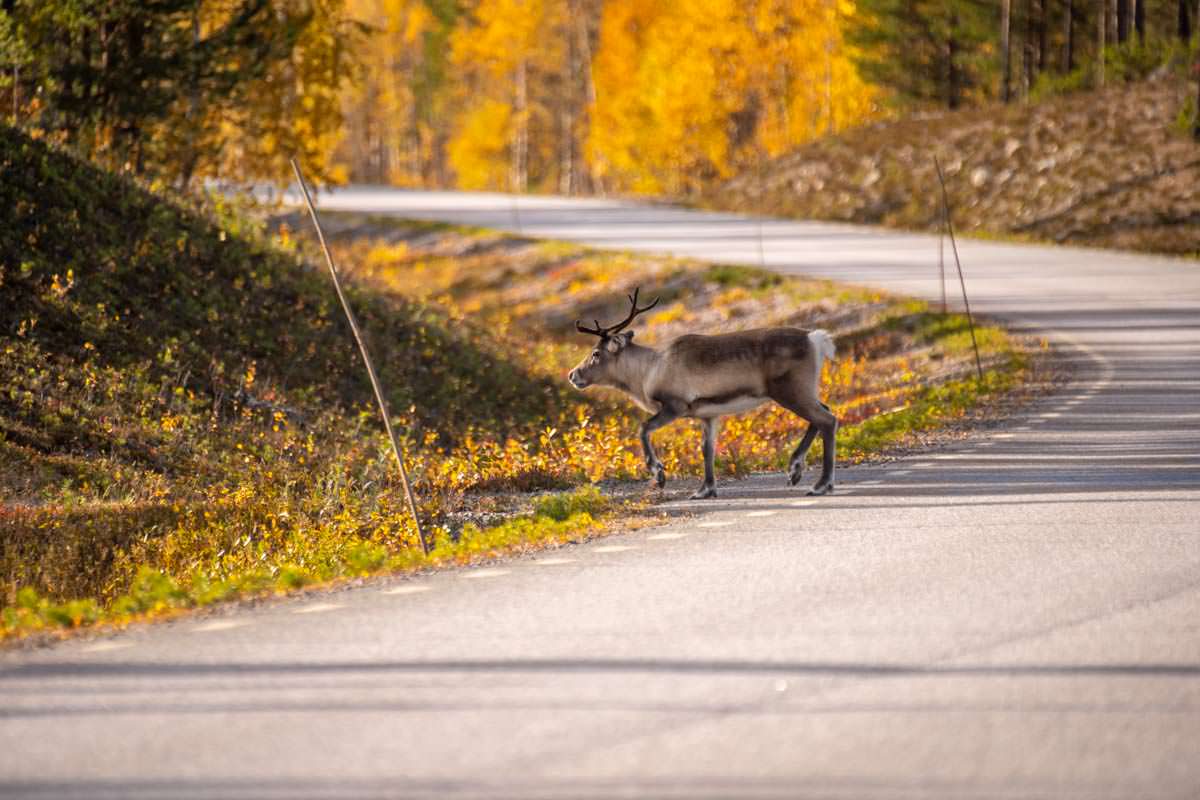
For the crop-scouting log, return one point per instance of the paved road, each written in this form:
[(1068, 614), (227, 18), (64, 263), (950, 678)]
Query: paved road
[(1017, 616)]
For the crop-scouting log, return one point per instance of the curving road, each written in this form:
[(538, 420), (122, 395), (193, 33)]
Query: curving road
[(1016, 616)]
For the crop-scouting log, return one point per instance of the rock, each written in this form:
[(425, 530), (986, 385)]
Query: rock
[(1011, 146), (979, 176)]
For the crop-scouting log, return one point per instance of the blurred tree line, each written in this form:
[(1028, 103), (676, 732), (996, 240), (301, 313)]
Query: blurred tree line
[(572, 96), (957, 52), (668, 97), (594, 95), (182, 89)]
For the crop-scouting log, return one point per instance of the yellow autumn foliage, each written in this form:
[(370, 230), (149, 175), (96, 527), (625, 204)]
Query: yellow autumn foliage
[(480, 152), (692, 91), (296, 112), (507, 57), (579, 95)]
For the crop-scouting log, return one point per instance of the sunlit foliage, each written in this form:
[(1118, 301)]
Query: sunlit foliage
[(182, 89), (394, 109), (294, 108), (507, 57), (627, 95), (693, 91)]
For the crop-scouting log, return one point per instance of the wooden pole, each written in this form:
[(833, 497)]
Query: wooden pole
[(362, 347), (942, 257), (962, 281)]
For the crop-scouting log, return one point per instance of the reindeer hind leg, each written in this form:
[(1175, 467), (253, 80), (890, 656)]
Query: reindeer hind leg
[(793, 394), (796, 462)]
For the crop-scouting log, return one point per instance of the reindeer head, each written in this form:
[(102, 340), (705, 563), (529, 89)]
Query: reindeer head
[(599, 366)]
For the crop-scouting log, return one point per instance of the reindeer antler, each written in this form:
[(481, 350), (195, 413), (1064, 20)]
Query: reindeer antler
[(598, 331), (605, 333)]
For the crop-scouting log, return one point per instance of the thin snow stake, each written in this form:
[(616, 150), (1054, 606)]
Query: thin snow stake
[(362, 348), (962, 281)]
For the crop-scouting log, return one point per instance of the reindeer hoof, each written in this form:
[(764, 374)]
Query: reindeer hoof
[(820, 489), (704, 493), (660, 477), (795, 473)]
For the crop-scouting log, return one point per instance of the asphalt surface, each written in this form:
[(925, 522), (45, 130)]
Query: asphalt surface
[(1014, 616)]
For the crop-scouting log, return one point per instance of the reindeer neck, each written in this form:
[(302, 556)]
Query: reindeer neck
[(634, 365)]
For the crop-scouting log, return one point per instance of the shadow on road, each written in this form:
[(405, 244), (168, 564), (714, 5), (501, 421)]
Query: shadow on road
[(125, 669)]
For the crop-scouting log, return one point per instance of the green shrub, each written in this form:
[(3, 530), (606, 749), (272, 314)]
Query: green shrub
[(363, 558), (730, 275), (564, 505), (1053, 84), (152, 591), (1128, 62)]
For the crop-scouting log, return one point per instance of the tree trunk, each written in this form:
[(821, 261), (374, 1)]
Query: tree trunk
[(585, 30), (1196, 68), (1122, 21), (133, 128), (1029, 63), (1196, 118), (1006, 50), (578, 97), (416, 167), (952, 79), (1139, 19), (521, 132), (1185, 22), (1041, 34), (1102, 17), (567, 179), (191, 155), (1068, 60)]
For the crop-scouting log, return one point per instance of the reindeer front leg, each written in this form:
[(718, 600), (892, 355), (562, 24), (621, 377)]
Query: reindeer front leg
[(709, 488), (664, 417)]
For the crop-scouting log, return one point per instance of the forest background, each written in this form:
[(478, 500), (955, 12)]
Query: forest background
[(567, 96)]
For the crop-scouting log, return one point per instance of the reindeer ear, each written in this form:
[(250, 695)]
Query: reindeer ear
[(623, 339)]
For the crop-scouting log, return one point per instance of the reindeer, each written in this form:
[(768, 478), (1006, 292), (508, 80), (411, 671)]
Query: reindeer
[(708, 377)]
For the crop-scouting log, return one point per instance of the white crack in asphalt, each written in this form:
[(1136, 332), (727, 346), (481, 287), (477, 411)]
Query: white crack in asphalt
[(221, 625), (485, 573), (318, 608), (407, 589)]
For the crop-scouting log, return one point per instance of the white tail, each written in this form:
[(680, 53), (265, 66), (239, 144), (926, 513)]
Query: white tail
[(823, 342)]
